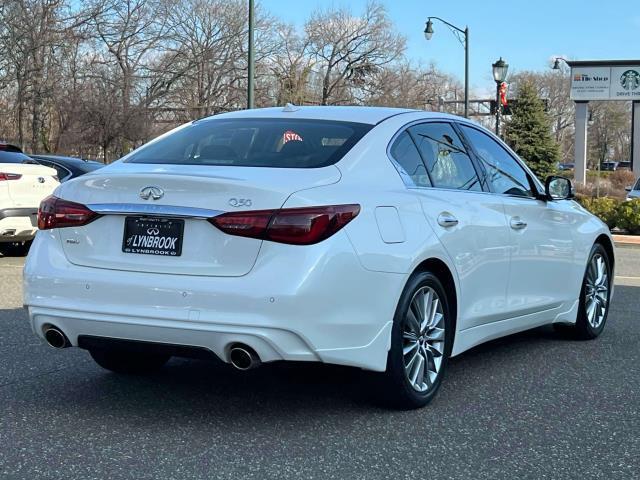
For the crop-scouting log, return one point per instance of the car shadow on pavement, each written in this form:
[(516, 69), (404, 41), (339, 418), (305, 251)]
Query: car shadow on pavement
[(215, 392)]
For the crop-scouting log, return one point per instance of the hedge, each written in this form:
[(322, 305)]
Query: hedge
[(615, 213)]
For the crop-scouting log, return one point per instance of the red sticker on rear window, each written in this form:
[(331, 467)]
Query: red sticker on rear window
[(289, 136)]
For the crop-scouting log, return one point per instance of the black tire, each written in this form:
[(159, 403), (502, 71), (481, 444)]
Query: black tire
[(398, 391), (133, 363), (583, 329)]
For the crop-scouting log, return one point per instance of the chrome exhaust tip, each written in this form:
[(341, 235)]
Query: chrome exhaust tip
[(55, 338), (243, 357)]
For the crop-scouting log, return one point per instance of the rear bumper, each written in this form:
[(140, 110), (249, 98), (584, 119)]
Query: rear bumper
[(18, 224), (312, 303), (18, 212)]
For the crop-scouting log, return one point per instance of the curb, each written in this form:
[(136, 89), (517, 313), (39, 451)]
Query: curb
[(626, 240)]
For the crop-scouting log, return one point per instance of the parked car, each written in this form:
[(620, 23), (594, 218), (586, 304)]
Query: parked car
[(67, 167), (566, 166), (23, 185), (384, 239), (624, 166), (633, 191), (609, 166)]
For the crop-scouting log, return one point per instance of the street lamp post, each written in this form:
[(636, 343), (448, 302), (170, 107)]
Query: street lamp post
[(251, 59), (428, 33), (500, 69)]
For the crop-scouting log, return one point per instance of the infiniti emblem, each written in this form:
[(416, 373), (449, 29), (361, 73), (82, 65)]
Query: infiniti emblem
[(154, 193), (153, 231)]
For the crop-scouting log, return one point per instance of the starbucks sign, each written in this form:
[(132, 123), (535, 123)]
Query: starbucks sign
[(625, 84), (605, 83)]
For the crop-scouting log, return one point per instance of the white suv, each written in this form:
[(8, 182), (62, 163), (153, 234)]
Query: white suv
[(23, 185)]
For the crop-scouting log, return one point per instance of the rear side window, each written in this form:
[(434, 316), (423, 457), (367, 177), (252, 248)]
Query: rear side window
[(448, 164), (14, 157), (246, 142), (408, 162)]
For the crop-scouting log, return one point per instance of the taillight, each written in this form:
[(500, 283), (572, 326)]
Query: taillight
[(295, 226), (9, 176), (57, 213)]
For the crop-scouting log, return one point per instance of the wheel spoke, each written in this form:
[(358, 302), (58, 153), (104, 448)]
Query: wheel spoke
[(420, 306), (591, 311), (413, 322), (409, 366), (434, 313), (591, 273), (436, 334), (409, 348), (420, 372), (600, 270), (418, 365), (409, 336), (436, 349)]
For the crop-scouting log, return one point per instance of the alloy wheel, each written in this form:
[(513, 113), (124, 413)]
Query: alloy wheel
[(423, 339), (596, 291)]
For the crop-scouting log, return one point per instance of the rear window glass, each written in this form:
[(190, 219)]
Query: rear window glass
[(14, 157), (269, 142)]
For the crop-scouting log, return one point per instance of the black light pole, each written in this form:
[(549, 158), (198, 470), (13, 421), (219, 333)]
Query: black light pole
[(428, 33), (500, 68), (251, 59)]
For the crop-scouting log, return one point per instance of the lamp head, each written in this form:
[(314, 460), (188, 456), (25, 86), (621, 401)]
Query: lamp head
[(500, 69), (428, 31)]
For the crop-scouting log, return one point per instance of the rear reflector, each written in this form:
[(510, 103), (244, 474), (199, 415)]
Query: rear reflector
[(57, 213), (295, 226), (9, 176)]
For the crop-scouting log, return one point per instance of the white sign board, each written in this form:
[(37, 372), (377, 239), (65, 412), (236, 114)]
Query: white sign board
[(590, 83), (605, 83), (625, 83)]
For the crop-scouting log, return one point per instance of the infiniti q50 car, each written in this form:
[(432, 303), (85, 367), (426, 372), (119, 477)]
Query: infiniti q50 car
[(385, 239)]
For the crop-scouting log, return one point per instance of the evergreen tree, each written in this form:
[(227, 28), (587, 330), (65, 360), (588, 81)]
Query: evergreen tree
[(528, 133)]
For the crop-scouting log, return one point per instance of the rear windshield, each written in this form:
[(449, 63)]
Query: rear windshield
[(14, 157), (270, 142)]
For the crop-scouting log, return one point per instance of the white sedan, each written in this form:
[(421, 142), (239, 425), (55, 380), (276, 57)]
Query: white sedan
[(385, 239), (23, 185)]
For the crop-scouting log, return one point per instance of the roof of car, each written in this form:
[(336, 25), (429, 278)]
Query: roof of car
[(369, 115)]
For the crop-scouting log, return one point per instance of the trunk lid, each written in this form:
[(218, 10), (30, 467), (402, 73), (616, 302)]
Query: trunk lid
[(192, 193), (34, 184)]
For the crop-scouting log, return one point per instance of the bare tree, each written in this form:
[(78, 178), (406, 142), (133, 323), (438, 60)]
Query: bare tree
[(347, 49), (205, 37)]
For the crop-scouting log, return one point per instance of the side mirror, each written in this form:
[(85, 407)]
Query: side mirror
[(558, 188), (628, 189)]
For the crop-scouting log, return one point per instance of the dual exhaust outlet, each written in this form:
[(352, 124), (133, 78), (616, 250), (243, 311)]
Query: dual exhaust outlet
[(241, 356)]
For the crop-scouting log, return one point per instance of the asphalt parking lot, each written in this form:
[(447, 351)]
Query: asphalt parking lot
[(534, 405)]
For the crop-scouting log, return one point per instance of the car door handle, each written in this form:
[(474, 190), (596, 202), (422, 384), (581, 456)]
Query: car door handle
[(445, 219), (517, 223)]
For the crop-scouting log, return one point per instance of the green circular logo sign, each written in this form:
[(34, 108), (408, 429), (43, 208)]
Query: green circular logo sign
[(630, 80)]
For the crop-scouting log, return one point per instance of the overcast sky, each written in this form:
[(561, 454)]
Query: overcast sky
[(526, 33)]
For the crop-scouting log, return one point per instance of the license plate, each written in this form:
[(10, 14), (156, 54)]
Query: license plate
[(153, 236)]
